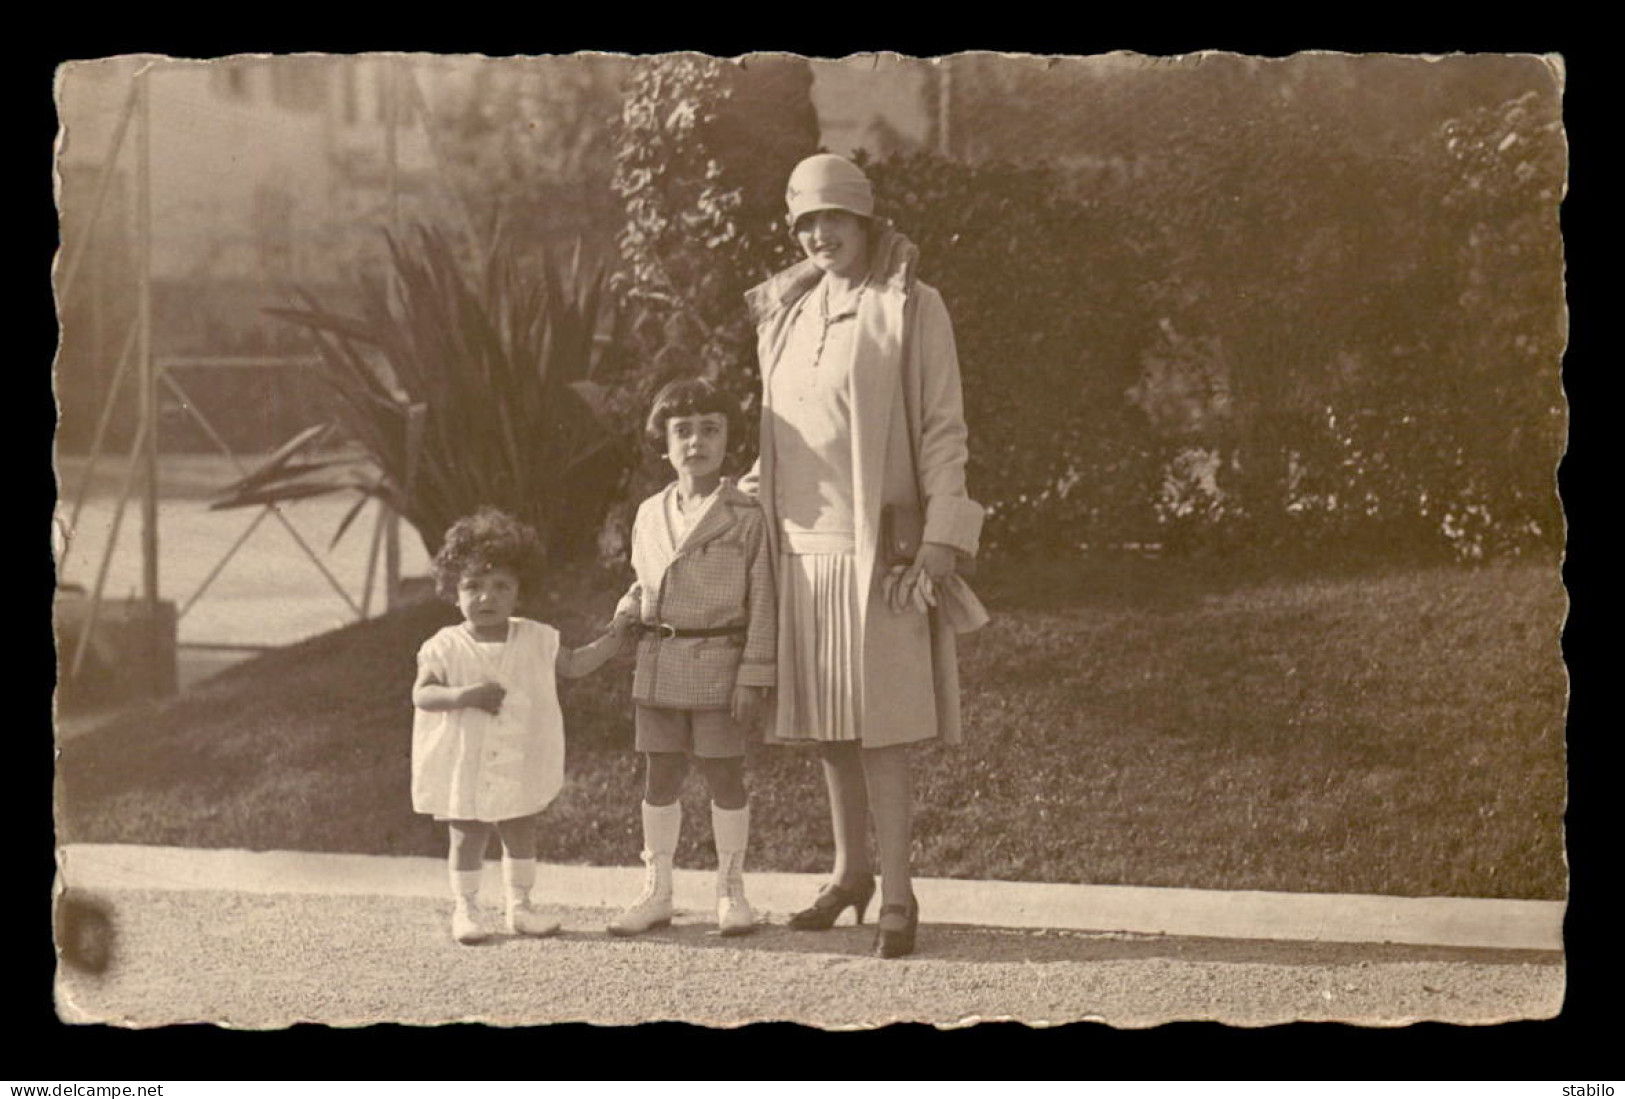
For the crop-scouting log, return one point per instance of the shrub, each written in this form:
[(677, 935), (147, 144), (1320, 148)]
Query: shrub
[(702, 152), (1387, 315), (1042, 291), (701, 155)]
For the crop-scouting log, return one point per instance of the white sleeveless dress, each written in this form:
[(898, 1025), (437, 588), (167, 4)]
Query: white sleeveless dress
[(471, 765)]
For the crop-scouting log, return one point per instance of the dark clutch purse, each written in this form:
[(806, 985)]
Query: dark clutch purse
[(902, 529)]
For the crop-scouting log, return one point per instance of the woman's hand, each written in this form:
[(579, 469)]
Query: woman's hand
[(747, 705), (936, 560), (917, 586)]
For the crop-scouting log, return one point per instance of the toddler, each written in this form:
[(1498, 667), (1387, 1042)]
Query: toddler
[(487, 732)]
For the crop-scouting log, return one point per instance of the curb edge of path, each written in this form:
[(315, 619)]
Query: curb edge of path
[(1299, 917)]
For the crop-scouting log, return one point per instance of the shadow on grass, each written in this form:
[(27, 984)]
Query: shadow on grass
[(1123, 580)]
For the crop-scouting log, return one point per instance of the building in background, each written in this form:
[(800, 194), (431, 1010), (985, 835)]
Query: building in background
[(275, 173), (266, 175), (883, 103), (1077, 115)]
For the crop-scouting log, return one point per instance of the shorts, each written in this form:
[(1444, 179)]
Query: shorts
[(709, 734)]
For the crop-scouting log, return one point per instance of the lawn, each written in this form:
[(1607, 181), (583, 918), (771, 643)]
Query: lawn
[(1128, 722)]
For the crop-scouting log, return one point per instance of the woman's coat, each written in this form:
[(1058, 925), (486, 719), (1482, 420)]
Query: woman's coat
[(905, 385)]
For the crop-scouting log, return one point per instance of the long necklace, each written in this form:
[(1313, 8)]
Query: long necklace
[(825, 319)]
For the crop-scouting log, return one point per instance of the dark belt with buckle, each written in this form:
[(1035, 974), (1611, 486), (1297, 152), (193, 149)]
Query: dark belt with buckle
[(663, 631)]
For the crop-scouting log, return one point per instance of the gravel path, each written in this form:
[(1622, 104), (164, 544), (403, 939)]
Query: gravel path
[(273, 960)]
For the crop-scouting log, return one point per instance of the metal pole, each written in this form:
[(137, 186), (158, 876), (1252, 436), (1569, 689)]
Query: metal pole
[(71, 271), (149, 379), (159, 653), (378, 525), (107, 554), (98, 323), (392, 521), (392, 559), (96, 447), (391, 153)]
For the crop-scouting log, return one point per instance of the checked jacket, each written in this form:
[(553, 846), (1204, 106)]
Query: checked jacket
[(720, 574)]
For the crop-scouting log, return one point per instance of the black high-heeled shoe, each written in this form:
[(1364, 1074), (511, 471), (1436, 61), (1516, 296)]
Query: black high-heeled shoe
[(895, 944), (832, 900)]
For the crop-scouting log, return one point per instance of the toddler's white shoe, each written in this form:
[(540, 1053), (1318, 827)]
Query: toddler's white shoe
[(525, 920), (465, 925)]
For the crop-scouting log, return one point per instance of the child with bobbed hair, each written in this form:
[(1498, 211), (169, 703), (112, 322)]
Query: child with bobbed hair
[(487, 730), (704, 610)]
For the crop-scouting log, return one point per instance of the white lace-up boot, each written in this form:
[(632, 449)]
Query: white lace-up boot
[(661, 826), (465, 919), (519, 875), (731, 830)]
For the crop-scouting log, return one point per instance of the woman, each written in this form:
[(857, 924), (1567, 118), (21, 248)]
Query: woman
[(861, 411)]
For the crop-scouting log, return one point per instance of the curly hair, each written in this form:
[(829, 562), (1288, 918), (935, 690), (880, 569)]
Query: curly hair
[(688, 397), (488, 539)]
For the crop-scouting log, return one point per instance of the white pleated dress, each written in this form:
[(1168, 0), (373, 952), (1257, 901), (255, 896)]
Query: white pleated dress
[(471, 765), (811, 397)]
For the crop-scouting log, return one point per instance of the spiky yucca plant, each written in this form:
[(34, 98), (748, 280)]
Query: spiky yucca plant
[(463, 391)]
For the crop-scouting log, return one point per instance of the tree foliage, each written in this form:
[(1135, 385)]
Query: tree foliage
[(1351, 272), (1041, 292), (702, 151), (1307, 306), (529, 146)]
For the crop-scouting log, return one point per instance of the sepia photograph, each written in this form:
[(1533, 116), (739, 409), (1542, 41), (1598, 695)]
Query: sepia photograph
[(846, 541)]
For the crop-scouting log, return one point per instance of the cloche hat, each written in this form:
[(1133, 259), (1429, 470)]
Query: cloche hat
[(828, 182)]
